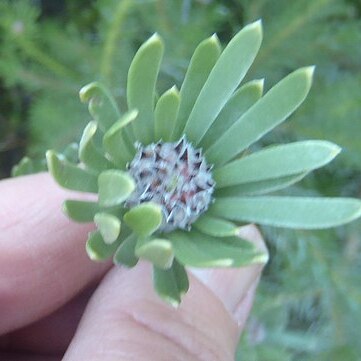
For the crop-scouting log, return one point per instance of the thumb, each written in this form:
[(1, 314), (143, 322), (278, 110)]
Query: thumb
[(126, 320)]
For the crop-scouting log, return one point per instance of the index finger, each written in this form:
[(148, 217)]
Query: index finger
[(43, 263)]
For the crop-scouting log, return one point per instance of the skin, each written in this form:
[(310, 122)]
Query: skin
[(56, 304)]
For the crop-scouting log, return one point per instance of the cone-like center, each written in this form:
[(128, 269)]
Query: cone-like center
[(175, 176)]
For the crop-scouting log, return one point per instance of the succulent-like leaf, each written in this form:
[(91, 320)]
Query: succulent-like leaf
[(69, 175), (108, 226), (158, 251), (71, 152), (144, 219), (165, 114), (238, 104), (272, 109), (201, 64), (88, 153), (215, 227), (97, 249), (200, 250), (125, 254), (290, 212), (261, 187), (102, 105), (115, 143), (172, 283), (276, 161), (142, 77), (224, 78), (80, 211), (115, 186)]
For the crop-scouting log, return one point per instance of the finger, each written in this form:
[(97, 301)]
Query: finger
[(126, 320), (52, 334), (43, 263), (233, 287)]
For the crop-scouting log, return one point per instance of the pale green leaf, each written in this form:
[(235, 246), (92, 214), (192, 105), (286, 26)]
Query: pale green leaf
[(261, 187), (102, 105), (272, 109), (289, 212), (69, 175), (224, 78), (144, 219), (165, 114), (80, 211), (125, 254), (88, 153), (201, 64), (171, 284), (215, 227), (97, 249), (115, 187), (199, 250), (276, 161), (142, 77), (71, 152), (108, 226), (238, 104), (158, 251), (116, 143)]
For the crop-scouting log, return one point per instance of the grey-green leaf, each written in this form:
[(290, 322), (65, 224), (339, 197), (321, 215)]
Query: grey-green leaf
[(238, 104), (261, 187), (144, 219), (171, 284), (289, 212), (97, 249), (88, 153), (157, 251), (276, 161), (125, 254), (69, 175), (201, 64), (215, 227), (199, 250), (224, 78), (272, 109), (80, 211), (108, 226), (115, 187), (165, 114), (142, 77), (102, 105), (115, 142)]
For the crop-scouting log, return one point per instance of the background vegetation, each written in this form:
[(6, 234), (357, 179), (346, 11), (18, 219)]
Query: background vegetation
[(309, 302)]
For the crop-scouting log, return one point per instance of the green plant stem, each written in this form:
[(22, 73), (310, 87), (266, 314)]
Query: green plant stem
[(112, 39), (286, 31), (39, 56)]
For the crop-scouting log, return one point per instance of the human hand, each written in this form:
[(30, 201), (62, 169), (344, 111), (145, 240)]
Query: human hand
[(55, 302)]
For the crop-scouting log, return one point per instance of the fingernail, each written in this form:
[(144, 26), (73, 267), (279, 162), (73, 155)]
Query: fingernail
[(233, 285)]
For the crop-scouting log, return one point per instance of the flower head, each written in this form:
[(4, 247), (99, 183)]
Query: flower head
[(176, 177), (174, 182)]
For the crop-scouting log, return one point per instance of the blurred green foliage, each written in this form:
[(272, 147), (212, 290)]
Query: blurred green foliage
[(309, 303)]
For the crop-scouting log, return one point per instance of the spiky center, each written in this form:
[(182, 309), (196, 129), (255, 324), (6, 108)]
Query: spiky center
[(175, 176)]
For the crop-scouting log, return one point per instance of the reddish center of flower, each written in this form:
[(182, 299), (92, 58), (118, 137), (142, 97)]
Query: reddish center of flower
[(175, 176)]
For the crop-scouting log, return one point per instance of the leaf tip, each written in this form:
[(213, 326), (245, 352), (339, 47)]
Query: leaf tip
[(155, 39), (214, 39), (335, 150), (51, 160), (174, 90), (85, 92), (309, 71), (259, 83), (255, 26)]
